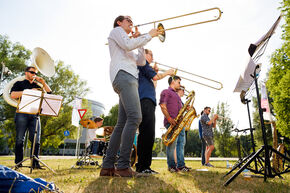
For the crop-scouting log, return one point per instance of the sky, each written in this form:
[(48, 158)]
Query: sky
[(75, 32)]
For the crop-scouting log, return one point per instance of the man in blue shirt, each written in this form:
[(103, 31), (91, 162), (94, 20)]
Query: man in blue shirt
[(147, 97), (203, 144)]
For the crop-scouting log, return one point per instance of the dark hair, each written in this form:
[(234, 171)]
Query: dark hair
[(201, 112), (171, 78), (206, 108), (29, 67), (98, 119), (147, 51), (119, 18)]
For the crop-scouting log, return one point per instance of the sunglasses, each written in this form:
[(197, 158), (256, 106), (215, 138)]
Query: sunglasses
[(128, 19), (31, 72)]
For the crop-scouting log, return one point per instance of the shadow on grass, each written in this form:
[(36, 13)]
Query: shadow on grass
[(212, 181), (66, 171), (142, 184)]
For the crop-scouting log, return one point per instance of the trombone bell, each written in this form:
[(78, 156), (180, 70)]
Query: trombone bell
[(161, 36)]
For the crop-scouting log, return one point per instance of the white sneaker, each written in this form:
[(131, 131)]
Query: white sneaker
[(209, 165)]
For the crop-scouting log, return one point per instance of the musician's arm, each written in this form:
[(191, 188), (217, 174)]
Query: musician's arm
[(141, 60), (16, 90), (164, 74), (16, 94), (214, 123), (122, 39), (45, 86), (166, 114)]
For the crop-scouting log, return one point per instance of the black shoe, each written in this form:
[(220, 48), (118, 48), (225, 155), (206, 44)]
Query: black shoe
[(37, 166), (173, 169), (146, 171), (184, 169)]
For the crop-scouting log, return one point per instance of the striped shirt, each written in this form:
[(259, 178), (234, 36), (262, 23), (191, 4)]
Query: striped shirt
[(121, 51)]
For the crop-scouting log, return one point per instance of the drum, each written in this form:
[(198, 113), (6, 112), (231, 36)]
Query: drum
[(98, 147)]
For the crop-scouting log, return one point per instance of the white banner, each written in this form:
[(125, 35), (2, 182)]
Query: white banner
[(75, 118)]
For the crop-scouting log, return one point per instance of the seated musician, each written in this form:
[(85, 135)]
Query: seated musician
[(95, 134)]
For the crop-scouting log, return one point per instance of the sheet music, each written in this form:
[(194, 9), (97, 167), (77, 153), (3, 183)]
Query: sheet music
[(246, 80), (30, 102), (51, 104)]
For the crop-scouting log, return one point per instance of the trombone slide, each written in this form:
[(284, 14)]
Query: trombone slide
[(218, 86)]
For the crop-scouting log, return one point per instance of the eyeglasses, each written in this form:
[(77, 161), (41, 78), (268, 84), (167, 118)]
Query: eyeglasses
[(128, 19), (32, 72)]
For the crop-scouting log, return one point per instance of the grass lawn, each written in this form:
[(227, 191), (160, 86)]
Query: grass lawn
[(87, 179)]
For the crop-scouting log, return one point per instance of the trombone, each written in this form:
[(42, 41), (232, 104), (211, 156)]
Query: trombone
[(219, 84), (161, 28)]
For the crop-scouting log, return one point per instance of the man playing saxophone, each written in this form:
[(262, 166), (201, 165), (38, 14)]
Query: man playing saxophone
[(170, 104), (27, 121)]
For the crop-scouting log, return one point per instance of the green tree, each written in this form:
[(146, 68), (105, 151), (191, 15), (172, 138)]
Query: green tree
[(111, 118), (157, 148), (222, 133), (193, 144), (279, 76), (14, 56)]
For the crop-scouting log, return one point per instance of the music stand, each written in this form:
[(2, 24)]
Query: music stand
[(267, 170), (244, 83), (38, 103)]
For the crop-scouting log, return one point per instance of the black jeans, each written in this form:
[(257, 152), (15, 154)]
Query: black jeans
[(146, 135), (24, 122)]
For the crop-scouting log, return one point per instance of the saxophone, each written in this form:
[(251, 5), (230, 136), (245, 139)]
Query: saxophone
[(184, 117)]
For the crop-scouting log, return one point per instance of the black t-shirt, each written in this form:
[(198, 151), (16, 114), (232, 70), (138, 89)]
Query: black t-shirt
[(22, 85)]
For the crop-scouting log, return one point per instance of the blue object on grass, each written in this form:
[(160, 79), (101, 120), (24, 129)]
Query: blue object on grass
[(11, 180)]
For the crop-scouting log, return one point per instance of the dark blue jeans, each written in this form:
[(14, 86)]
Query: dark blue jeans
[(180, 149), (22, 123), (203, 146), (170, 152)]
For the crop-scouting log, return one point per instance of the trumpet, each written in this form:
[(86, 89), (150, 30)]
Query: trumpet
[(222, 118), (218, 85)]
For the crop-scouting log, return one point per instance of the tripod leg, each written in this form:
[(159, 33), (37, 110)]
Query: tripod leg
[(37, 159), (244, 166), (33, 145), (238, 165), (16, 166)]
